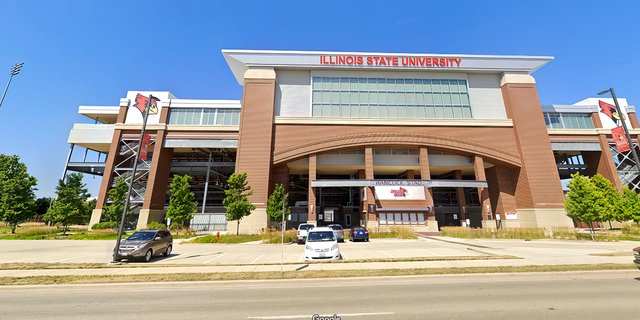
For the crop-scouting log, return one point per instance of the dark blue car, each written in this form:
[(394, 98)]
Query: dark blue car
[(358, 233)]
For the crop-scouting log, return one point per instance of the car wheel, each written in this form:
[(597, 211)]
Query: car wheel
[(367, 239), (167, 252), (148, 255)]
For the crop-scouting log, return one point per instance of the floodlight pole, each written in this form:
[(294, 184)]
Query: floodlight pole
[(133, 175), (624, 126), (14, 71)]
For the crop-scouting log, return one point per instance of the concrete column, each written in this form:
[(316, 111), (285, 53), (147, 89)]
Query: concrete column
[(483, 193), (107, 178), (425, 173), (156, 192), (462, 202), (254, 155), (372, 218), (410, 175), (312, 191)]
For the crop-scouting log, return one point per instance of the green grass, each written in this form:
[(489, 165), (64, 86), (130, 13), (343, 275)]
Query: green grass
[(536, 233), (227, 238), (392, 232), (310, 274)]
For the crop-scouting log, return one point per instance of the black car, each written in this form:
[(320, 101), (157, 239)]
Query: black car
[(359, 233)]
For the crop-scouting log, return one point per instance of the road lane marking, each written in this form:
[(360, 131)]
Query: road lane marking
[(224, 254), (179, 255), (301, 256), (387, 254), (258, 258), (68, 259), (344, 255), (433, 253), (303, 316)]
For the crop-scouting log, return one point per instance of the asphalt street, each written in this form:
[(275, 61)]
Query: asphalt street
[(574, 295)]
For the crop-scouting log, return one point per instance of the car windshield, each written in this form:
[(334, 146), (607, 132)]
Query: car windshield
[(321, 236), (305, 226), (141, 236), (336, 227), (358, 228)]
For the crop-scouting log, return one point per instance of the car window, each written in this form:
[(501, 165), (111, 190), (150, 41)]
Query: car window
[(321, 236), (305, 227), (336, 227), (142, 235)]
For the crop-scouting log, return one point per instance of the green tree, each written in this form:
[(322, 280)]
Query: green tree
[(611, 198), (629, 206), (584, 201), (181, 204), (43, 205), (17, 191), (69, 207), (274, 204), (236, 202), (118, 196)]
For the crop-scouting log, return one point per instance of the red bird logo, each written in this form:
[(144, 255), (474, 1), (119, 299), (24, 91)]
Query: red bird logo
[(402, 192), (141, 103), (610, 111)]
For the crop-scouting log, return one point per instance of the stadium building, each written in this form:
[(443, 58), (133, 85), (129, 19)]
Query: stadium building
[(373, 139)]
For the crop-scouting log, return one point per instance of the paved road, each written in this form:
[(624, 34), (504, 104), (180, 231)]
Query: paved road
[(533, 252), (587, 295)]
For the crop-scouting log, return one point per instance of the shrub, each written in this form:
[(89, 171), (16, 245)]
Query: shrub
[(393, 232), (156, 225), (105, 225), (274, 236), (227, 238)]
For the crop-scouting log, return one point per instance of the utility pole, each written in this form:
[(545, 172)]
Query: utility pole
[(14, 71)]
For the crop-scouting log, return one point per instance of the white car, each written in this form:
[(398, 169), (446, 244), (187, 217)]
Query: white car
[(321, 244), (303, 230)]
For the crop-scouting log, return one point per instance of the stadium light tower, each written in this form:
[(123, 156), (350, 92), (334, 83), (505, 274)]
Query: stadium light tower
[(14, 71)]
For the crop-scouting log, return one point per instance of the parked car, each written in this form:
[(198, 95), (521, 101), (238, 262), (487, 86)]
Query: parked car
[(321, 244), (359, 233), (337, 231), (303, 230), (145, 244), (636, 255)]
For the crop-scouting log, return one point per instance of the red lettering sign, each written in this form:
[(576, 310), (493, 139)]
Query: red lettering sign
[(391, 61)]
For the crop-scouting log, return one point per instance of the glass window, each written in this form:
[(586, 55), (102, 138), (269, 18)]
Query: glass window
[(383, 218), (378, 98)]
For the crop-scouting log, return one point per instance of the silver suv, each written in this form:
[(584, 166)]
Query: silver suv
[(303, 231), (337, 231), (145, 244)]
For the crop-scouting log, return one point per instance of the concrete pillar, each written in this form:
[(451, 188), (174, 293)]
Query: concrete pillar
[(425, 173), (254, 155), (312, 191), (156, 192), (483, 193), (462, 202), (372, 218), (107, 178)]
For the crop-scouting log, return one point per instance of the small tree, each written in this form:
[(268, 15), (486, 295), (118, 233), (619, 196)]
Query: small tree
[(610, 200), (584, 202), (181, 204), (17, 191), (69, 207), (274, 205), (236, 202), (43, 205), (629, 206), (118, 196)]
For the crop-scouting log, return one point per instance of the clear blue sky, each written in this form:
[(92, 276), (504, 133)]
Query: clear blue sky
[(93, 52)]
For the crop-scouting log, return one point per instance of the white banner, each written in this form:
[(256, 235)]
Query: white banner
[(399, 193)]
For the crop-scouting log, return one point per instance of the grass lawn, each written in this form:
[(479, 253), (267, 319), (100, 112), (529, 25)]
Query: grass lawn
[(627, 233), (227, 238), (312, 274)]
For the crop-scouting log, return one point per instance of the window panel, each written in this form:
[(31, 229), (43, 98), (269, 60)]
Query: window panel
[(448, 112), (399, 85), (197, 113), (417, 85), (457, 113), (446, 98), (355, 111), (335, 110), (364, 97), (455, 99), (316, 110), (402, 111), (411, 98), (408, 85), (344, 84), (373, 84), (326, 83), (235, 119), (364, 111), (373, 97), (444, 85), (421, 112), (466, 112), (317, 83), (462, 85), (393, 112), (383, 111), (439, 112), (435, 85), (344, 111), (411, 111), (431, 112), (373, 111), (326, 110), (426, 85), (363, 84), (181, 116), (335, 84)]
